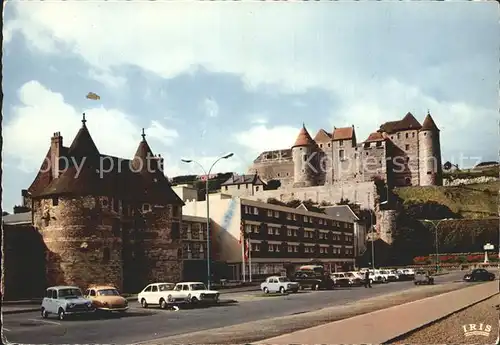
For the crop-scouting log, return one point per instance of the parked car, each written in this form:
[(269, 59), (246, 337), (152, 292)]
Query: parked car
[(388, 275), (423, 278), (405, 274), (479, 274), (377, 278), (279, 284), (194, 292), (106, 298), (313, 280), (158, 294), (340, 279), (355, 278), (64, 301)]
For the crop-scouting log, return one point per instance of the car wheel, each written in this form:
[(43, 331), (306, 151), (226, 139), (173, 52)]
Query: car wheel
[(144, 303), (61, 314), (44, 313), (163, 304), (282, 290), (416, 283), (266, 290), (194, 300)]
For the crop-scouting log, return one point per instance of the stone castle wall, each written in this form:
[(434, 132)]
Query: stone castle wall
[(386, 224), (81, 248), (363, 193)]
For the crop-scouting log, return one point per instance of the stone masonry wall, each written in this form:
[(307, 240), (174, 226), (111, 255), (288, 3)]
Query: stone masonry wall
[(81, 248), (407, 167), (373, 161), (386, 224), (355, 192), (162, 244), (281, 170)]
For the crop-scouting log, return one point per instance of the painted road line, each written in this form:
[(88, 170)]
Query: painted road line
[(46, 321)]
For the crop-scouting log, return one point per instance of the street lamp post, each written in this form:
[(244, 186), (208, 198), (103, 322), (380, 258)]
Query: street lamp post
[(436, 242), (207, 177)]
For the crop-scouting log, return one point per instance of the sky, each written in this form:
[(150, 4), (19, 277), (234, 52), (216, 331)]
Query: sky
[(207, 78)]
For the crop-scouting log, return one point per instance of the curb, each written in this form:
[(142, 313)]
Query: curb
[(399, 337), (19, 311)]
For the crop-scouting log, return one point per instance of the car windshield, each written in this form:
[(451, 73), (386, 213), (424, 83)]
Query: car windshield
[(69, 293), (198, 286), (166, 287), (350, 274), (284, 280), (108, 292)]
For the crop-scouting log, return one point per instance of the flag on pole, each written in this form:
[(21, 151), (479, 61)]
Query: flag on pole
[(93, 96), (242, 231), (247, 249)]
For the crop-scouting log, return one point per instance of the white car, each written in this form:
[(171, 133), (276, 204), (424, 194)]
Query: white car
[(388, 275), (279, 284), (64, 301), (376, 277), (355, 278), (158, 294), (194, 292)]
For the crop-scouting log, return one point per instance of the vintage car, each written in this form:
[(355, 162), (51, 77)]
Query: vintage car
[(106, 298), (340, 279), (355, 278), (313, 279), (478, 275), (279, 284), (388, 275), (64, 301), (423, 278), (159, 294), (194, 292)]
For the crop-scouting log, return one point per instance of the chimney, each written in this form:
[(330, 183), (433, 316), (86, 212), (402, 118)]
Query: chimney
[(56, 144)]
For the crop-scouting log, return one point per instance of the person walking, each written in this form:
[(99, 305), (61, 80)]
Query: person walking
[(367, 280)]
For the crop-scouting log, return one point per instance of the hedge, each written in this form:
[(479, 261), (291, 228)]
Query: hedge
[(456, 258)]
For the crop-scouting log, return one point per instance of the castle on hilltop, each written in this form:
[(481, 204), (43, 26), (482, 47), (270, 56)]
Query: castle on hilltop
[(401, 153)]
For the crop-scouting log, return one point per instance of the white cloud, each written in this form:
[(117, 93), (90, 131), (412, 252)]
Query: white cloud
[(259, 120), (398, 58), (43, 112), (210, 107), (262, 138), (107, 78)]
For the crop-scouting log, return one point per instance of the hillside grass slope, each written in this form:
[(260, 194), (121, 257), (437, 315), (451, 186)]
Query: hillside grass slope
[(470, 201)]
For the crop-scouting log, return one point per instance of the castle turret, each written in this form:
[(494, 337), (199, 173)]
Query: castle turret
[(429, 150), (305, 156)]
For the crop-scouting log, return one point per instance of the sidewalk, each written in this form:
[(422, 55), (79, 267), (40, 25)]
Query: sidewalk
[(381, 326)]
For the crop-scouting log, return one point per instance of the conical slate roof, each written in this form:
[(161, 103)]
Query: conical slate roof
[(429, 124), (304, 138)]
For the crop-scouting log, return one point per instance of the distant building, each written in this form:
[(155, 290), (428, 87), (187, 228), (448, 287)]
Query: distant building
[(243, 185), (280, 237), (186, 192)]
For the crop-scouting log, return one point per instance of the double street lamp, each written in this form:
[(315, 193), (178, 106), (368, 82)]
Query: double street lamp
[(436, 242), (207, 177)]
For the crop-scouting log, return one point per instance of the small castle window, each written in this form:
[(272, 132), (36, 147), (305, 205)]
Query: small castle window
[(304, 157), (407, 147), (329, 144), (366, 153), (392, 136), (257, 188), (413, 134), (341, 142), (55, 201), (321, 146), (225, 187), (406, 135), (398, 135), (287, 174), (429, 173), (425, 134), (106, 255), (238, 186)]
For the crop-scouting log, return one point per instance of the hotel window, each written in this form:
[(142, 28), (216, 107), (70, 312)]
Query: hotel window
[(289, 232), (270, 230), (276, 248), (185, 231), (295, 249), (255, 211), (277, 231), (256, 229), (306, 219), (195, 231), (246, 210), (269, 213), (248, 228), (290, 248), (294, 232), (276, 214), (294, 216), (320, 221), (255, 247), (289, 216)]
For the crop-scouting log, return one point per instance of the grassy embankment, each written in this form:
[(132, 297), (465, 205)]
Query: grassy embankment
[(470, 201)]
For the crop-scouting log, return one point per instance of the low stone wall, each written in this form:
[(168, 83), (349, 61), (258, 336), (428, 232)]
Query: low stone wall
[(467, 181)]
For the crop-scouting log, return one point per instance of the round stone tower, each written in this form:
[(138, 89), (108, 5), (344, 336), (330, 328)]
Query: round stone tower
[(429, 151), (74, 216), (305, 156)]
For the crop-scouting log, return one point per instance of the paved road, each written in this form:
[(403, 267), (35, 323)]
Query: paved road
[(147, 324)]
